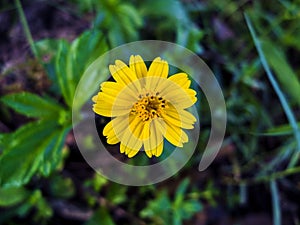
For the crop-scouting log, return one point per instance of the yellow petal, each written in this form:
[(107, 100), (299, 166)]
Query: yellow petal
[(159, 68), (113, 103), (128, 151), (113, 100), (132, 136), (118, 90), (187, 119), (146, 130), (152, 144), (159, 125), (118, 128), (124, 75), (158, 150), (108, 129), (112, 87), (180, 118), (176, 95), (153, 83), (109, 98), (146, 135), (138, 66), (149, 153), (181, 79), (104, 108), (109, 132), (175, 135), (122, 148), (113, 140), (119, 125), (138, 128), (94, 98)]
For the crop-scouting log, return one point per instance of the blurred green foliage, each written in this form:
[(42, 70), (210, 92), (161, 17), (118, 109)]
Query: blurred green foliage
[(33, 157), (163, 210)]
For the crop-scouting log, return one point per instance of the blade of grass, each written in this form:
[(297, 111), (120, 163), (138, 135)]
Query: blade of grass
[(277, 175), (265, 178), (276, 203), (26, 28), (289, 114)]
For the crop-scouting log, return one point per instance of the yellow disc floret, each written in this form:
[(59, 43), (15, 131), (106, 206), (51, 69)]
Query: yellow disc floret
[(149, 106)]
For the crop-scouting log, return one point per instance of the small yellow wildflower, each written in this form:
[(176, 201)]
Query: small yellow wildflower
[(146, 106)]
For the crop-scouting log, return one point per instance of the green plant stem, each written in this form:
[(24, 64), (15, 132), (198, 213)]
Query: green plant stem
[(289, 114), (26, 28), (263, 179), (276, 203), (278, 175)]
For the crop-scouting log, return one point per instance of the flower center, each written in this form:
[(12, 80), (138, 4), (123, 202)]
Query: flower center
[(149, 106)]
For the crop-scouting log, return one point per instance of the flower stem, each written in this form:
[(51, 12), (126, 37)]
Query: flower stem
[(26, 28)]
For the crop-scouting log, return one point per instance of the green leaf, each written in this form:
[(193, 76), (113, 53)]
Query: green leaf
[(177, 219), (84, 50), (131, 21), (52, 152), (116, 194), (285, 74), (160, 207), (93, 76), (179, 195), (119, 20), (43, 210), (171, 9), (3, 142), (190, 37), (12, 196), (189, 208), (182, 187), (115, 39), (97, 182), (72, 60), (63, 78), (32, 105), (27, 151), (100, 217), (62, 187), (285, 129), (69, 61), (48, 49), (131, 13)]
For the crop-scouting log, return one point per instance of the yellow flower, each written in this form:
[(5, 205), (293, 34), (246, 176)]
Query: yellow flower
[(146, 106)]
